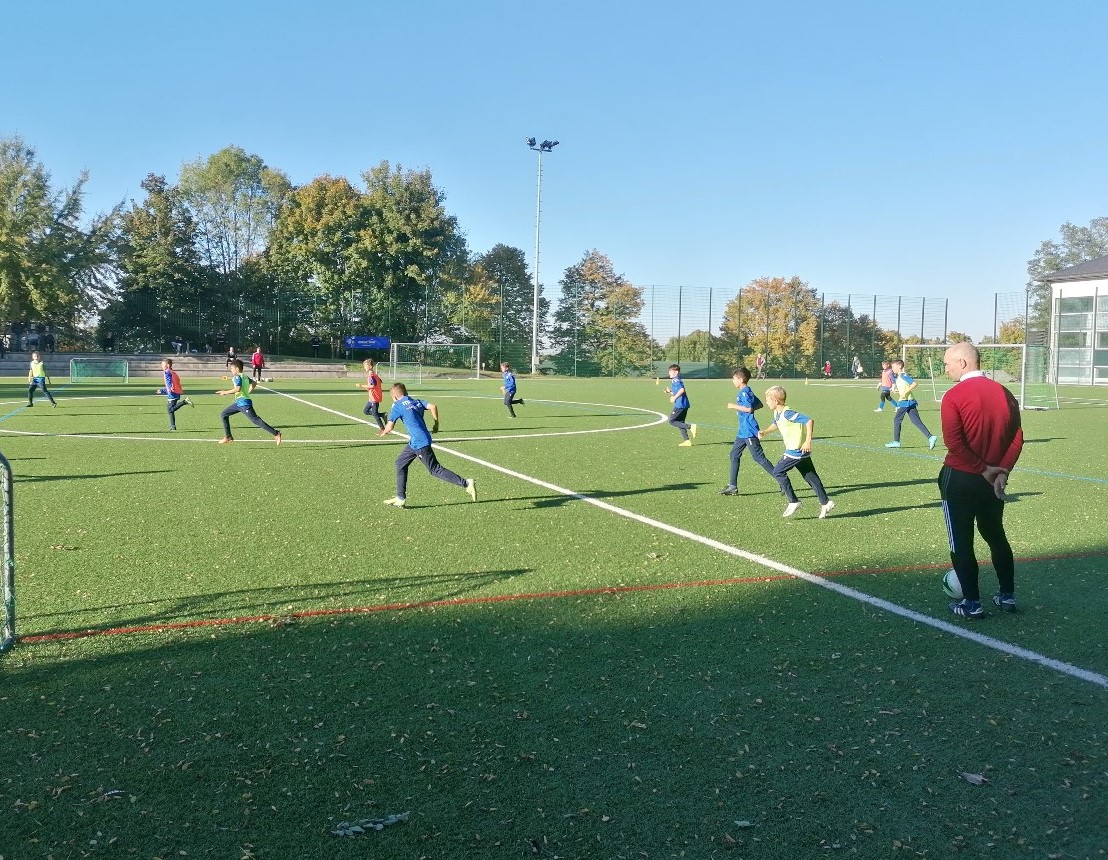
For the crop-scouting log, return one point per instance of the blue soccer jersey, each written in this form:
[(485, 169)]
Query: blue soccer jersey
[(410, 410), (509, 382), (676, 385), (748, 424)]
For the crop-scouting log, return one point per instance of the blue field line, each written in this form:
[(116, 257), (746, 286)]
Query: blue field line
[(24, 408)]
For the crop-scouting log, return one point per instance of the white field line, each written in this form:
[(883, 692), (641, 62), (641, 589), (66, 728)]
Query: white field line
[(876, 602)]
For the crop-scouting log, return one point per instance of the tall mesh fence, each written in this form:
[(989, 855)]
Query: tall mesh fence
[(676, 324)]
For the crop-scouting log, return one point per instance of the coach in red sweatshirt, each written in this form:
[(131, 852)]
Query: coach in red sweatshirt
[(983, 438)]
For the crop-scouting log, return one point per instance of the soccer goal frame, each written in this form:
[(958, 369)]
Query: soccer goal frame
[(99, 369), (1024, 369), (7, 574), (419, 361)]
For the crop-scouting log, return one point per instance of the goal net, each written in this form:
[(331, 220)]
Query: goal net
[(1025, 370), (7, 574), (419, 361), (99, 370)]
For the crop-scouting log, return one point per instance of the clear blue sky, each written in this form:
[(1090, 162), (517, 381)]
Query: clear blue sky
[(920, 149)]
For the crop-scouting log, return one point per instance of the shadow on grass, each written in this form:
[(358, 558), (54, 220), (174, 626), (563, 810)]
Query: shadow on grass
[(34, 479), (280, 600)]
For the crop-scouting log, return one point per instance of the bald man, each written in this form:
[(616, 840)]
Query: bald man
[(983, 438)]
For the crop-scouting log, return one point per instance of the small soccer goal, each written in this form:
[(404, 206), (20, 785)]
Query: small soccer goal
[(419, 361), (7, 575), (99, 370), (1025, 370)]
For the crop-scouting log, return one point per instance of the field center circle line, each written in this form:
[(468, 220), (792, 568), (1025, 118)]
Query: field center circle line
[(660, 418), (876, 602)]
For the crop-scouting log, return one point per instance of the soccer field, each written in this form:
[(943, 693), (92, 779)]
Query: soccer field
[(235, 648)]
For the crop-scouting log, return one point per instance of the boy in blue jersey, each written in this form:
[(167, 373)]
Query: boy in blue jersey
[(906, 404), (797, 430), (509, 388), (410, 410), (242, 386), (680, 400), (174, 393), (746, 402)]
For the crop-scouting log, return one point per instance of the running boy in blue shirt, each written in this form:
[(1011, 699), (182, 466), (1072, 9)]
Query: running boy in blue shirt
[(242, 386), (680, 400), (906, 404), (509, 388), (746, 402), (410, 410), (797, 430), (173, 392)]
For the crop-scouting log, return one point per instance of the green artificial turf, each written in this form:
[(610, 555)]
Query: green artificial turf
[(263, 650)]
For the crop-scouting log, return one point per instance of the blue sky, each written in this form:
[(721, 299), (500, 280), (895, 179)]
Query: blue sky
[(919, 149)]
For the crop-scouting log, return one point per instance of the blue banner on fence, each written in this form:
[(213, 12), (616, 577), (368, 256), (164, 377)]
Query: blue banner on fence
[(365, 341)]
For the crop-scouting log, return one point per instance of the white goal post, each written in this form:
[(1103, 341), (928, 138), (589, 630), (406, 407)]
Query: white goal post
[(419, 361), (99, 369), (1025, 370)]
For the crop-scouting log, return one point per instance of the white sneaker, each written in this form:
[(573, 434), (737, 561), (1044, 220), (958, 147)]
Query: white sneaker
[(791, 508), (692, 431), (824, 510), (395, 502), (471, 489)]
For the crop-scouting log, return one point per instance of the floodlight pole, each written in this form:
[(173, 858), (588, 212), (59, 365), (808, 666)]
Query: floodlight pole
[(540, 148)]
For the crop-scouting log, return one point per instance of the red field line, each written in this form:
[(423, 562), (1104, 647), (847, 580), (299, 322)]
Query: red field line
[(469, 601)]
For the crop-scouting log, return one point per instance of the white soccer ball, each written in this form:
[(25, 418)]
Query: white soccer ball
[(951, 585), (267, 379)]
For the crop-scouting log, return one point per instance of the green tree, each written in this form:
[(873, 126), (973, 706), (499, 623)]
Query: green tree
[(697, 345), (1077, 245), (235, 199), (51, 269), (415, 249), (163, 288), (774, 316), (502, 272), (596, 327)]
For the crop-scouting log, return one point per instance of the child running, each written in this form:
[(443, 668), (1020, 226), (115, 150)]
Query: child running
[(797, 430), (410, 410), (680, 400), (884, 386), (241, 387), (372, 386), (509, 388), (906, 404), (38, 378), (746, 402), (172, 391)]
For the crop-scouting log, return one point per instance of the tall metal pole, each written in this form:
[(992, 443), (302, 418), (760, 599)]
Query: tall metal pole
[(535, 300), (540, 148)]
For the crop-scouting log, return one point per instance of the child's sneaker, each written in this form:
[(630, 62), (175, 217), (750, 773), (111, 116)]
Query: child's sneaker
[(692, 431), (931, 440), (824, 510), (190, 403), (968, 609), (277, 438), (226, 440), (791, 508), (395, 502), (1004, 601), (729, 491), (471, 489), (892, 444), (686, 444)]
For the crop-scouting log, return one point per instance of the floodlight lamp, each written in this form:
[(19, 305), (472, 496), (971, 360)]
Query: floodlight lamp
[(531, 142)]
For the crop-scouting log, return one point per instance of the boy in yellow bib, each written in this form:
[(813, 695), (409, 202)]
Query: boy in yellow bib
[(38, 378), (797, 430)]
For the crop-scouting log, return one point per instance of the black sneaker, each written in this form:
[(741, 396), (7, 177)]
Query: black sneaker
[(1004, 601), (968, 609)]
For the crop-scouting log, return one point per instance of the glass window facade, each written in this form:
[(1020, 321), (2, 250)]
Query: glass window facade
[(1081, 333)]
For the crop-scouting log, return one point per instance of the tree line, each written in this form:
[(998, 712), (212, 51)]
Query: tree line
[(232, 253)]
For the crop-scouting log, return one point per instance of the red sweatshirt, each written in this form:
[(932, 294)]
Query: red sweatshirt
[(981, 425)]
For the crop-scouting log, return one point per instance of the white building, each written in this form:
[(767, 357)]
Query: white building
[(1079, 322)]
